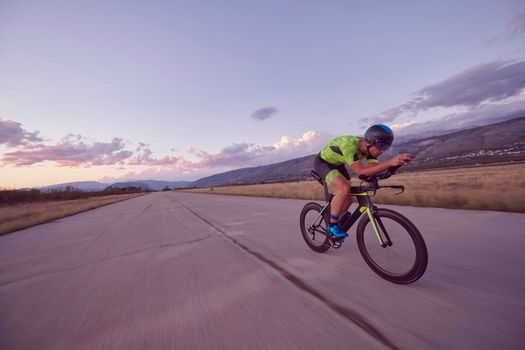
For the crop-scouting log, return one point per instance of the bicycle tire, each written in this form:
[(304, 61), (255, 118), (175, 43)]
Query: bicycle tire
[(322, 245), (421, 254), (424, 251)]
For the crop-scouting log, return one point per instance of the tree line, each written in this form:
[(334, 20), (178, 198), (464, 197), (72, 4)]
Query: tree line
[(10, 197)]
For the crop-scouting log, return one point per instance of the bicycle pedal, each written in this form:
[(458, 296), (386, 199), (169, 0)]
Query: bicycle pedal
[(336, 242)]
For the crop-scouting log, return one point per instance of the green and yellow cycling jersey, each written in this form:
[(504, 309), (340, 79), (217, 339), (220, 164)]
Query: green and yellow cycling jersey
[(344, 150)]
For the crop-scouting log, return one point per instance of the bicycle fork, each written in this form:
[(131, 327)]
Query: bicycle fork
[(376, 221)]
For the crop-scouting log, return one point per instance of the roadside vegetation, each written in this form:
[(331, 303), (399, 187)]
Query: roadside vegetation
[(11, 197), (20, 216), (499, 188)]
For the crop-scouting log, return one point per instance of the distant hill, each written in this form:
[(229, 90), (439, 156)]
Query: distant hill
[(93, 186), (157, 185), (500, 142), (295, 169), (492, 143), (153, 185), (80, 185), (503, 141), (137, 184)]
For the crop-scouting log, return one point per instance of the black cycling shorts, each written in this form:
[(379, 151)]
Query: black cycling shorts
[(324, 169)]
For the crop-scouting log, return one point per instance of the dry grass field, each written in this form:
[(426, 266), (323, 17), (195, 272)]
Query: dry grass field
[(17, 217), (500, 188)]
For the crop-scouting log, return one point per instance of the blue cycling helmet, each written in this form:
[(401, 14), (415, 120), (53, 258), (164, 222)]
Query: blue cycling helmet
[(380, 136)]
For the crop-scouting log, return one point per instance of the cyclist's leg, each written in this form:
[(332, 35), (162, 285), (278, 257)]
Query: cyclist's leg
[(338, 203), (347, 204), (348, 199), (340, 200), (329, 172)]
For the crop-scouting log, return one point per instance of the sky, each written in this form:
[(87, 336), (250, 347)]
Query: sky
[(177, 90)]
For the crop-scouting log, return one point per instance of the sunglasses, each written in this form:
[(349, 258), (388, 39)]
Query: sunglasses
[(381, 145)]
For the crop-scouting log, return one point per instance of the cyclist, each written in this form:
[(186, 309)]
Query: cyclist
[(350, 150)]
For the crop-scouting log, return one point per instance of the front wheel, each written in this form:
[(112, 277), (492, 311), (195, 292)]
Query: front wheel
[(403, 256), (314, 227)]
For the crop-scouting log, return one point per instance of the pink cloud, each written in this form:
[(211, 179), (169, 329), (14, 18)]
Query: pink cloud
[(237, 155), (12, 134), (248, 154), (144, 156), (71, 151), (75, 151)]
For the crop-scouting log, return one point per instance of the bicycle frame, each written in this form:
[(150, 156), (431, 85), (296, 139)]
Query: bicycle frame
[(364, 205)]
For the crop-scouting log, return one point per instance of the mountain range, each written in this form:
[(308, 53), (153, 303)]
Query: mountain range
[(500, 142), (497, 143), (153, 185)]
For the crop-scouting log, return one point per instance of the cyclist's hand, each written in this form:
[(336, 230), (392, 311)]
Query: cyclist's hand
[(401, 159)]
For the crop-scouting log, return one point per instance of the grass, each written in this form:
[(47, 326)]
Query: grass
[(499, 188), (21, 216)]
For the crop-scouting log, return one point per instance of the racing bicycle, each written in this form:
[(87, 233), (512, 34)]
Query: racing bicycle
[(390, 244)]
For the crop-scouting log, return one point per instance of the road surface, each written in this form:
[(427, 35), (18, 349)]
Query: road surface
[(194, 271)]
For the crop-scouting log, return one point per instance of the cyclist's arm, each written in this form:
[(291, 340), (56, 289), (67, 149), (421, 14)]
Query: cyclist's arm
[(371, 169), (376, 168)]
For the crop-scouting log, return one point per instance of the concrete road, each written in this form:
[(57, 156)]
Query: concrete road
[(190, 271)]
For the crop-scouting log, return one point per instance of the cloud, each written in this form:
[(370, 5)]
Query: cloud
[(12, 134), (489, 82), (236, 155), (248, 154), (264, 113), (71, 151), (144, 157), (485, 83), (385, 117), (76, 151), (310, 142), (514, 28), (478, 116)]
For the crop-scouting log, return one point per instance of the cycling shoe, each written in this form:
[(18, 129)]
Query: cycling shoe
[(336, 231)]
